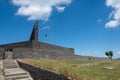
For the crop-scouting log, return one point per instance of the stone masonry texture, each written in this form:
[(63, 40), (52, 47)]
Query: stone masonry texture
[(35, 49), (1, 53), (38, 73)]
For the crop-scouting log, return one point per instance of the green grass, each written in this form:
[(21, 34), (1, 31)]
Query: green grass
[(73, 69)]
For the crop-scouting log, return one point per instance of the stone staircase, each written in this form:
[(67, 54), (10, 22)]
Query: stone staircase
[(12, 71)]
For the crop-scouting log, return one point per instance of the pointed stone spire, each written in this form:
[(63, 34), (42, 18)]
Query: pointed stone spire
[(34, 35)]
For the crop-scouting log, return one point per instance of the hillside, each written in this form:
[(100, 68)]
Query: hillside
[(80, 70)]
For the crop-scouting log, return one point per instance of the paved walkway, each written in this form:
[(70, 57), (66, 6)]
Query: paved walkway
[(10, 70)]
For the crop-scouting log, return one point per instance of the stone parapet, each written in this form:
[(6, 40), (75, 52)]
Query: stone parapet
[(42, 74)]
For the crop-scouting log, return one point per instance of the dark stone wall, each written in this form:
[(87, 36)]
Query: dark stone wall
[(55, 49), (1, 53), (41, 74), (27, 44), (37, 53), (35, 49)]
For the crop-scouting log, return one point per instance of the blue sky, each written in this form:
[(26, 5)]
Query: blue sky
[(91, 27)]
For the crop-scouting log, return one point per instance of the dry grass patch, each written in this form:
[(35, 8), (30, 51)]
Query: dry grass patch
[(80, 70)]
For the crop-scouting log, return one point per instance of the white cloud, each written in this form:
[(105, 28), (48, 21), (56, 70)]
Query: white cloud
[(115, 14), (45, 28), (60, 9), (39, 9), (111, 14), (112, 24)]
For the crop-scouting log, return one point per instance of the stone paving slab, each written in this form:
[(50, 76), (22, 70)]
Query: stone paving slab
[(12, 71), (23, 79)]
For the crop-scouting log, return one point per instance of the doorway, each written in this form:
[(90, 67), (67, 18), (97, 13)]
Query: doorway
[(8, 53)]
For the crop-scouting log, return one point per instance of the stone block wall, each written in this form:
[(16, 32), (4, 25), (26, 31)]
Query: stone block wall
[(27, 44), (41, 74), (79, 57), (25, 53), (42, 50), (1, 53), (37, 53), (57, 49), (35, 49)]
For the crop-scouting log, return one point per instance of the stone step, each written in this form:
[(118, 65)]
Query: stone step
[(9, 62), (9, 66), (24, 79), (16, 77), (12, 71), (20, 74), (7, 75)]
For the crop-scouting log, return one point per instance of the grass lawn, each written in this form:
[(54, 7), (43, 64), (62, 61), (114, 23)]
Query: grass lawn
[(80, 70)]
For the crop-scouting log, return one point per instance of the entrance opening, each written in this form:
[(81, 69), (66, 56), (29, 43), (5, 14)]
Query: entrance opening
[(8, 53), (10, 49)]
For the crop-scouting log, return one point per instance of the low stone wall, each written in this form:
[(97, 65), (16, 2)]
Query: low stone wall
[(40, 73), (36, 53), (1, 53), (79, 57)]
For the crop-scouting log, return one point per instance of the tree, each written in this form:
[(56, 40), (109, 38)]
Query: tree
[(109, 54)]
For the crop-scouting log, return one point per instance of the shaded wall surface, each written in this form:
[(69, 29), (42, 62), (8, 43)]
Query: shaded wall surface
[(54, 48), (38, 53), (41, 74), (35, 53), (35, 49), (27, 44), (1, 53)]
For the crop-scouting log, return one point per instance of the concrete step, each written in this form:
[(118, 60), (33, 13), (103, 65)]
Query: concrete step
[(12, 71), (16, 73), (10, 64), (24, 79), (7, 75), (16, 77)]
